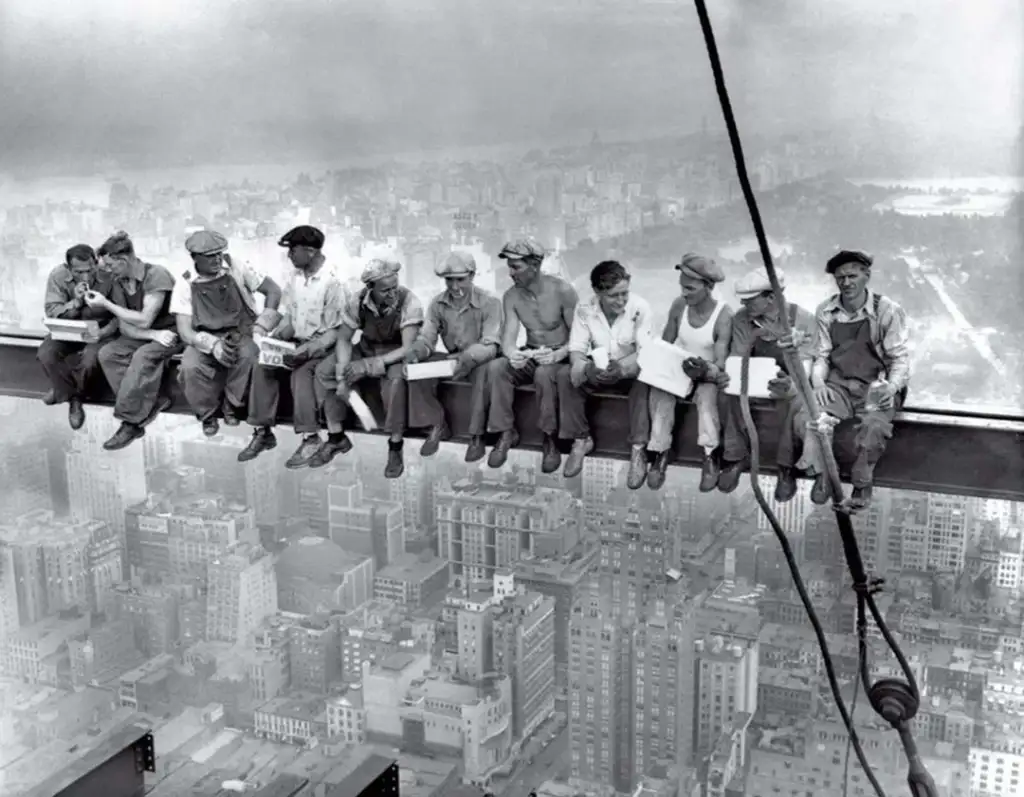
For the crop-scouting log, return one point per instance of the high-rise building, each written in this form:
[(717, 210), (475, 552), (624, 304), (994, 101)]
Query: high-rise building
[(102, 487), (367, 526), (252, 484), (241, 592), (153, 612), (9, 620), (485, 525), (725, 684)]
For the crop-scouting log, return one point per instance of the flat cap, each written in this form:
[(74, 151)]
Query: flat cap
[(522, 249), (700, 267), (755, 282), (378, 269), (206, 242), (848, 256), (457, 264), (303, 235)]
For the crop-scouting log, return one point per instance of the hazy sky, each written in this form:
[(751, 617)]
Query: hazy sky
[(206, 77)]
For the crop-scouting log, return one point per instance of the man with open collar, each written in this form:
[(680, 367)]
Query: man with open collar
[(468, 321), (136, 362), (73, 368), (217, 319)]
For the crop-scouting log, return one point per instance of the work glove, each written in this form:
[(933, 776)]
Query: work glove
[(225, 353), (375, 366), (782, 387), (413, 356), (696, 368)]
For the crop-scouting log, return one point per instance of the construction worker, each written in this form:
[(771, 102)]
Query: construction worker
[(544, 306), (73, 367), (701, 325), (758, 318), (389, 316), (311, 308), (861, 370), (468, 320), (217, 318), (618, 322), (136, 361)]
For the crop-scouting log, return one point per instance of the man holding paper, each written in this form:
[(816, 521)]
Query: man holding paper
[(606, 335), (136, 361), (311, 308), (700, 325), (758, 318), (468, 320), (389, 316), (71, 367), (217, 319), (544, 306), (861, 370)]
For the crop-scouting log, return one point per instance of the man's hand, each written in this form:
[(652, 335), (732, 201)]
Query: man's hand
[(300, 356), (885, 395), (781, 387), (95, 300), (342, 390), (518, 359), (413, 355), (793, 340), (91, 337), (375, 366), (81, 289), (224, 354), (722, 379), (354, 371), (578, 373), (610, 375), (696, 368), (551, 356), (464, 364), (165, 337), (824, 396)]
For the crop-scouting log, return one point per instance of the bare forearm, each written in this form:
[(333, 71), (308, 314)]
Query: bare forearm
[(129, 330), (482, 353), (109, 329), (67, 310)]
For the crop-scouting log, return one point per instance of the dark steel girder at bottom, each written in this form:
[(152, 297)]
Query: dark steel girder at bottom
[(930, 451)]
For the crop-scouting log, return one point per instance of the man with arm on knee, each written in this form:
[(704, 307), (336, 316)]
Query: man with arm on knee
[(73, 367), (619, 322), (861, 370), (468, 320), (217, 318), (702, 326), (389, 317), (311, 307), (758, 318), (544, 306), (135, 362)]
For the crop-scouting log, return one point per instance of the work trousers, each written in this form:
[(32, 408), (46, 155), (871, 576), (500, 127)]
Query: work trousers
[(208, 383), (72, 368), (136, 370), (736, 440), (663, 417), (504, 379), (873, 432), (307, 397), (573, 423), (425, 411), (391, 389)]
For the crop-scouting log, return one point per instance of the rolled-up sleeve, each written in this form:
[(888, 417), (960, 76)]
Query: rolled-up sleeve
[(335, 302), (287, 306), (251, 277), (490, 330), (57, 303), (412, 311), (350, 308), (181, 298), (896, 342), (431, 327), (807, 326), (580, 337)]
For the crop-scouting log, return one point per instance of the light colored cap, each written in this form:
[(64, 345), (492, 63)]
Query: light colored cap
[(457, 264), (754, 282)]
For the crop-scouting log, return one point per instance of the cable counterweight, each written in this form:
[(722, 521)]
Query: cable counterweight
[(895, 700)]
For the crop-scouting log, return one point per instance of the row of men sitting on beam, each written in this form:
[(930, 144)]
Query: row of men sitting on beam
[(211, 317)]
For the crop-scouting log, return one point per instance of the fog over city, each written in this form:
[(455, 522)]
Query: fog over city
[(214, 80)]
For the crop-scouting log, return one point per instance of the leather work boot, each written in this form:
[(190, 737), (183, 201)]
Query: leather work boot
[(730, 475), (263, 439), (580, 449), (709, 471), (334, 444), (860, 498), (127, 434), (476, 449), (820, 492), (785, 487), (434, 438), (76, 413), (637, 468), (656, 475), (551, 457), (211, 427), (499, 454), (50, 398), (396, 462), (304, 453)]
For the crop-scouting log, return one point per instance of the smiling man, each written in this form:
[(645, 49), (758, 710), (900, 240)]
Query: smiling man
[(72, 367), (135, 362), (861, 370)]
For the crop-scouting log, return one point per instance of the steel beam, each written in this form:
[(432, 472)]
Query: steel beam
[(933, 451)]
